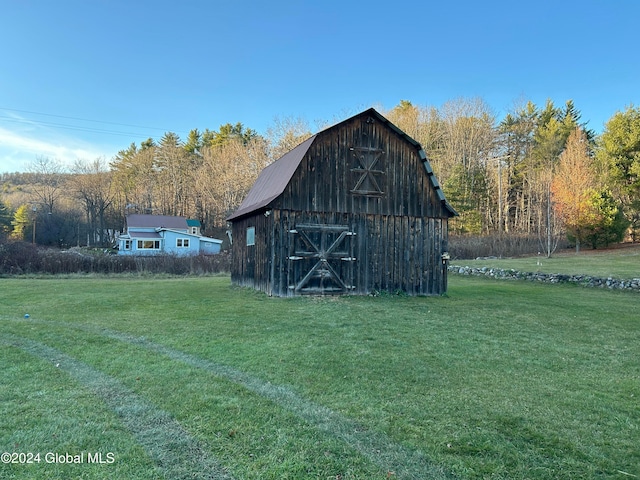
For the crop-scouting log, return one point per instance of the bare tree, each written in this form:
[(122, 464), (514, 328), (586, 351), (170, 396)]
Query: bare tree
[(226, 174), (48, 181), (173, 162), (92, 184), (463, 155), (286, 134), (135, 178)]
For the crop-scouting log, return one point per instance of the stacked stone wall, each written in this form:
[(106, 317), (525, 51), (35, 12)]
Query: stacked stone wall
[(583, 280)]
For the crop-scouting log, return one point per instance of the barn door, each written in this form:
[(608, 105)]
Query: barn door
[(321, 259)]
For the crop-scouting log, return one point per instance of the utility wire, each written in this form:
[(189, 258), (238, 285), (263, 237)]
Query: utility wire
[(69, 127), (80, 128)]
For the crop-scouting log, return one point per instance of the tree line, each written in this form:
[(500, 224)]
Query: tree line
[(539, 171)]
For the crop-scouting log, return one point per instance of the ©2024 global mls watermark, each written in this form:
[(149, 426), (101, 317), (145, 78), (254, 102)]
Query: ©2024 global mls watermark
[(106, 458)]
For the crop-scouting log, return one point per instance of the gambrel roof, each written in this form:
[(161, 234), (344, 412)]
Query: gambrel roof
[(273, 180)]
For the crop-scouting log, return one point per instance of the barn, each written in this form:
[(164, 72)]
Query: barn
[(354, 209)]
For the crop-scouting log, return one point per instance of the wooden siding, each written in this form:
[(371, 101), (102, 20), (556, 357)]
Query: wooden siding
[(250, 264), (326, 178), (385, 200), (392, 253)]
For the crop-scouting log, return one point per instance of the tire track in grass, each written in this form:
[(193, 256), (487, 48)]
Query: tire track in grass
[(176, 453), (375, 446)]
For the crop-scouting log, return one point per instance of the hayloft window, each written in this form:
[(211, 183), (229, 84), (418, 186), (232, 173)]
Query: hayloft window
[(182, 242), (369, 171), (251, 236)]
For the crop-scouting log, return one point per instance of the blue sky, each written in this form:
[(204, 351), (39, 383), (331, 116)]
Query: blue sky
[(86, 78)]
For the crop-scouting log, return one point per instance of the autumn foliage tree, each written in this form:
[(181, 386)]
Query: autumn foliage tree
[(588, 211)]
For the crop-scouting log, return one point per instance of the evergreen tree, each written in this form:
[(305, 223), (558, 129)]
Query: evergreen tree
[(611, 225), (228, 132), (193, 145), (5, 220), (619, 152)]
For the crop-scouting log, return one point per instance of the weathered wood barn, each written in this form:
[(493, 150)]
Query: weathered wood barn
[(354, 209)]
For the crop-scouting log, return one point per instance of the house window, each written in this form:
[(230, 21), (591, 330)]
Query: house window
[(182, 243), (251, 236), (148, 244), (194, 230), (127, 244)]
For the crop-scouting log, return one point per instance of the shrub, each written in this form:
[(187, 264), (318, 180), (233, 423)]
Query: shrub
[(472, 246), (24, 258)]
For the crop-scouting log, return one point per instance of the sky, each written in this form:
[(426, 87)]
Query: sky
[(83, 79)]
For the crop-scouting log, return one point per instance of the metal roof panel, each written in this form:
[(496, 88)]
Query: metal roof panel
[(273, 180)]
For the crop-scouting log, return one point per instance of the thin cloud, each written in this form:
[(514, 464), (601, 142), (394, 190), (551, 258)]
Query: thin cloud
[(19, 149)]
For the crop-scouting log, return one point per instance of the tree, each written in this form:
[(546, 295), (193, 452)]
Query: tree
[(48, 181), (174, 175), (194, 143), (576, 194), (463, 155), (466, 191), (92, 184), (135, 178), (406, 117), (285, 134), (5, 220), (612, 225), (226, 133), (423, 124), (226, 174), (21, 219), (619, 152), (516, 139)]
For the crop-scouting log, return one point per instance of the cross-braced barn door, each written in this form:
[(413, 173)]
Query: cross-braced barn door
[(321, 259)]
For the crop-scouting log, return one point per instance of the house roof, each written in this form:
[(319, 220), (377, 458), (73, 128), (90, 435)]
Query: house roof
[(273, 179), (145, 235), (193, 223), (155, 221), (210, 240)]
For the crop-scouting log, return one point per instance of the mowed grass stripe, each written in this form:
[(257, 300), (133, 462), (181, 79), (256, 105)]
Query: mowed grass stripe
[(177, 455), (374, 446)]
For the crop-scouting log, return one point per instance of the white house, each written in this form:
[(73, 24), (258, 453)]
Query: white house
[(164, 234)]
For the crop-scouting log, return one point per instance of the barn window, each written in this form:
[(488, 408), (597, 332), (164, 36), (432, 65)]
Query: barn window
[(182, 243), (368, 171), (251, 236)]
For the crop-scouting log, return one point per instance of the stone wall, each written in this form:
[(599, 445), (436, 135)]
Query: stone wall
[(583, 280)]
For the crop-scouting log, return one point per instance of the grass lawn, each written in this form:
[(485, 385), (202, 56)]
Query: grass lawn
[(622, 262), (192, 378)]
